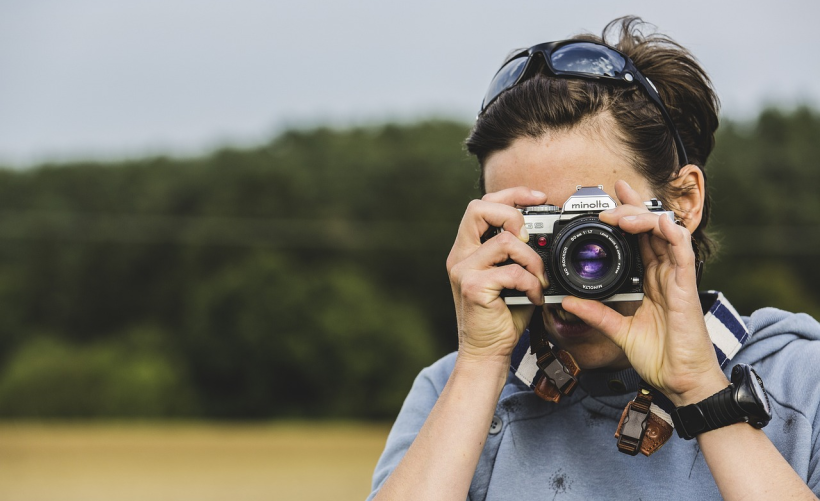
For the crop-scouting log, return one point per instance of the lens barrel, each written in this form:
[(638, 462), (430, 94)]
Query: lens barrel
[(590, 259)]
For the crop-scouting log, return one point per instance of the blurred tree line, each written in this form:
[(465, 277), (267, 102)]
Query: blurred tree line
[(305, 277)]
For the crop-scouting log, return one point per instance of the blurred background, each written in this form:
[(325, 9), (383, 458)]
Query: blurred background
[(223, 225)]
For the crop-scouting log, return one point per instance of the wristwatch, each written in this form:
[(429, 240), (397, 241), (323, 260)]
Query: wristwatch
[(744, 400)]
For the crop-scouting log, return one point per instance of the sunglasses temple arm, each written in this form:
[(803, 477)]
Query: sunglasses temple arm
[(656, 98)]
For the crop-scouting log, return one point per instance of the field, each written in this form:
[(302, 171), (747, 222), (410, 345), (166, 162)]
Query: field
[(187, 461)]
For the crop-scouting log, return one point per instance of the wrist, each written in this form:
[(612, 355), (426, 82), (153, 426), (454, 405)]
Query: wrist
[(702, 389), (482, 372)]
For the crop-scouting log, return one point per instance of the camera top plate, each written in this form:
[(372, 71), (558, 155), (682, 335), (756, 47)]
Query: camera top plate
[(589, 199)]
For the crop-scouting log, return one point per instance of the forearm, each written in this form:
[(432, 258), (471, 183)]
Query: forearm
[(743, 461), (746, 465), (442, 460)]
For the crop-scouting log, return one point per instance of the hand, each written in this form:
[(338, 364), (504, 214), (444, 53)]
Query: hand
[(487, 328), (666, 339)]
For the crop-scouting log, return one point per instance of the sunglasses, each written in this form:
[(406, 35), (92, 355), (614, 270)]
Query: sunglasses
[(577, 59)]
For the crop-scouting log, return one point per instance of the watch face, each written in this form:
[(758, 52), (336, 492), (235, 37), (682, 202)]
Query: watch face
[(750, 396), (760, 392)]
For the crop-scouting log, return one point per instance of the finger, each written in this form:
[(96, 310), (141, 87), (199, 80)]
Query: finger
[(613, 216), (651, 286), (521, 316), (503, 247), (478, 218), (646, 222), (683, 256), (660, 247), (627, 195), (485, 286), (631, 204), (494, 210), (516, 197), (675, 234), (648, 255), (498, 210), (598, 316), (649, 223), (673, 244)]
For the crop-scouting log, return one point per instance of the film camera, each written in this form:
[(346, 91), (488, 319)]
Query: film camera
[(584, 256)]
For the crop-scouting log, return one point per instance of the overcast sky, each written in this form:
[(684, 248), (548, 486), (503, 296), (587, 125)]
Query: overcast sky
[(109, 78)]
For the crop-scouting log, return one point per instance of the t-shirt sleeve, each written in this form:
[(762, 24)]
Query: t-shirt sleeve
[(417, 406)]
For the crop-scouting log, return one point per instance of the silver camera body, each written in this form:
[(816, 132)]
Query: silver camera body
[(582, 255)]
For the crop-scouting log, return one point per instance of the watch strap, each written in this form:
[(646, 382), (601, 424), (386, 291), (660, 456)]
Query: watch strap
[(721, 410), (712, 413)]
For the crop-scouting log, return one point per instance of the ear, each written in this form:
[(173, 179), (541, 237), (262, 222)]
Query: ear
[(690, 186)]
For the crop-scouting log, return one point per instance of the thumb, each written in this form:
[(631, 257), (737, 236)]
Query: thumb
[(521, 316), (598, 316)]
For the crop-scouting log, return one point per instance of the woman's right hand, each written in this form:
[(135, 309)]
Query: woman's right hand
[(441, 462), (487, 328)]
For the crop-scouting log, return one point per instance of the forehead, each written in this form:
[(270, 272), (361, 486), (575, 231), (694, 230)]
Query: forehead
[(557, 162)]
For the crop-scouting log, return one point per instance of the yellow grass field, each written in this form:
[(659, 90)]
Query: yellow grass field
[(193, 461)]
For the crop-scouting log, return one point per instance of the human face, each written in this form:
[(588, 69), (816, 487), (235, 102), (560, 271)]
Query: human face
[(556, 163)]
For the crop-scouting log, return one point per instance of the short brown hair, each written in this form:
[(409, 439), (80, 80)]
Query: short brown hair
[(544, 103)]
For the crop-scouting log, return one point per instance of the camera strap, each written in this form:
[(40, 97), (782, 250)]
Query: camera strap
[(646, 423), (558, 371)]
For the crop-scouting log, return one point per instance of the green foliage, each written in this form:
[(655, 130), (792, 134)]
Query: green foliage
[(127, 376), (277, 339), (764, 179), (306, 277), (290, 279)]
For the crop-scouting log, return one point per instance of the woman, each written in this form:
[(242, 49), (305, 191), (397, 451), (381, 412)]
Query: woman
[(642, 127)]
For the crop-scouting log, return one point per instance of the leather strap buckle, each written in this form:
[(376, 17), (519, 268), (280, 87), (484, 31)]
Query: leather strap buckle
[(558, 371), (632, 428), (559, 374)]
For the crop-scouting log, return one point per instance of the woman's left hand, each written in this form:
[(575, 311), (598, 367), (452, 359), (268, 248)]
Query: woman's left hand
[(666, 339)]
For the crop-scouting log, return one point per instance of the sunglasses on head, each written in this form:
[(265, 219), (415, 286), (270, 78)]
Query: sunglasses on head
[(577, 59)]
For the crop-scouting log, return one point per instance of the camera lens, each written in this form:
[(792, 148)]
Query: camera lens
[(591, 260)]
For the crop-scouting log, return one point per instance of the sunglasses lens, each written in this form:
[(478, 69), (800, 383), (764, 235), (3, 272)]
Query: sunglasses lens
[(504, 79), (588, 59)]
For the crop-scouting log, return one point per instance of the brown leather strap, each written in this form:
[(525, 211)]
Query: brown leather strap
[(657, 433), (568, 360), (559, 370), (545, 389), (558, 376), (651, 431), (632, 427)]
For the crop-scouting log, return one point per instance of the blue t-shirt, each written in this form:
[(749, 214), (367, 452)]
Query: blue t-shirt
[(541, 450)]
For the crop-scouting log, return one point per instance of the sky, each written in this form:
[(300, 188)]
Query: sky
[(113, 78)]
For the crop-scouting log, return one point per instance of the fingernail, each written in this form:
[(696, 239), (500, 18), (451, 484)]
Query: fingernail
[(524, 234), (630, 218), (608, 211), (538, 194), (545, 281)]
